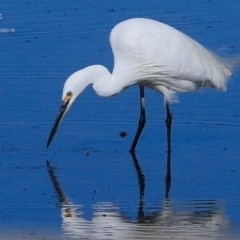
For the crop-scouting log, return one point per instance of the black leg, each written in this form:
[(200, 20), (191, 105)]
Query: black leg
[(168, 122), (142, 119)]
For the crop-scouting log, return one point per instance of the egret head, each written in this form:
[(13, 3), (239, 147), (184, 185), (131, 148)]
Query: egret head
[(73, 86)]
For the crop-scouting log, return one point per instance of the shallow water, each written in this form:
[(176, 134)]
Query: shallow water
[(92, 187)]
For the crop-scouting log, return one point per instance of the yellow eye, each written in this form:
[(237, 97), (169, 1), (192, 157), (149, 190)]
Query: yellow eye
[(68, 96)]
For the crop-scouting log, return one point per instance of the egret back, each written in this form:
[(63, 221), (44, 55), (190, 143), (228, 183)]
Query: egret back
[(160, 57)]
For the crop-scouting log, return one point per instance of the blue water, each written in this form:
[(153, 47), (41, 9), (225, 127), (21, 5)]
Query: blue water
[(42, 43)]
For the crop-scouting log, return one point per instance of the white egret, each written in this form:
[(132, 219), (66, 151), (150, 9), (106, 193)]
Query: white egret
[(150, 54)]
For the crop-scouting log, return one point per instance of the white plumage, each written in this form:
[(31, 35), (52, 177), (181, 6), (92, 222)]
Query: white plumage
[(150, 54), (164, 59)]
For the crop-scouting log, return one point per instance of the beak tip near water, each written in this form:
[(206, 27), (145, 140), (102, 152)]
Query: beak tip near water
[(51, 136), (61, 113), (53, 131)]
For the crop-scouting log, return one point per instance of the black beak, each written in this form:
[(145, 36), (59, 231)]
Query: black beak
[(57, 122)]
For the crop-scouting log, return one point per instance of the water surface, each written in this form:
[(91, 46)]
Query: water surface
[(92, 187)]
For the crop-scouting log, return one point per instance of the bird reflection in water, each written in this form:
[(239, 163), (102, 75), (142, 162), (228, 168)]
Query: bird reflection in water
[(203, 219)]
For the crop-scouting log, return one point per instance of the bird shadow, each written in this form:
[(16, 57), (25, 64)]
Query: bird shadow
[(141, 182), (63, 198), (184, 219)]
